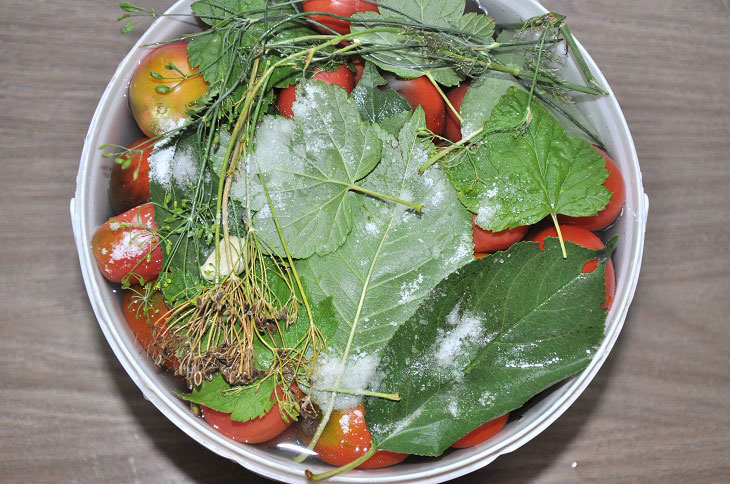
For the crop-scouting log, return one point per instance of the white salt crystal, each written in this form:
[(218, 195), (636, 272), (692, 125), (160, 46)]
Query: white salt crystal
[(463, 333), (408, 289), (161, 165), (358, 374)]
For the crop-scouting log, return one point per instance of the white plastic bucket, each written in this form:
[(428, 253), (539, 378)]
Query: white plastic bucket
[(113, 123)]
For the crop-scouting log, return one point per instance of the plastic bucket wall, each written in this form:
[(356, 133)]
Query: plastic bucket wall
[(112, 123)]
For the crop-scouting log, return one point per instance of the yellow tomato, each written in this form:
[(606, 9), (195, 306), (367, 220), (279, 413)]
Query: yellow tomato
[(163, 88)]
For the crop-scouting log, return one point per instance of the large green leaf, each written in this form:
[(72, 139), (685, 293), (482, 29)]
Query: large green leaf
[(518, 179), (311, 182), (394, 256), (488, 338), (430, 12), (405, 58), (377, 103)]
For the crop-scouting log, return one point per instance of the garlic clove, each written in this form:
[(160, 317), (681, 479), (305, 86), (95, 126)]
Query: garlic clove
[(231, 259)]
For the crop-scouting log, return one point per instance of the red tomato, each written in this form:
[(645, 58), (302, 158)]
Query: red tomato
[(604, 218), (158, 112), (346, 437), (343, 8), (342, 77), (488, 241), (589, 240), (452, 130), (252, 431), (126, 191), (482, 433), (127, 244), (359, 63), (421, 92), (144, 324)]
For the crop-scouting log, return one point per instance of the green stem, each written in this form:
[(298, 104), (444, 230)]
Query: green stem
[(517, 43), (366, 393), (549, 78), (286, 248), (528, 112), (445, 152), (445, 98), (515, 71), (560, 235), (336, 472), (489, 64), (348, 346), (579, 58), (416, 206)]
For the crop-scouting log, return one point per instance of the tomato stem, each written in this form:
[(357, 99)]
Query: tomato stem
[(336, 472)]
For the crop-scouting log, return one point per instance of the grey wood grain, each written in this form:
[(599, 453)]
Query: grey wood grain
[(658, 409)]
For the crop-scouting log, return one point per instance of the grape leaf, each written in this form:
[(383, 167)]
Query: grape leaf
[(395, 123), (438, 13), (243, 403), (374, 102), (488, 338), (394, 256), (330, 148), (514, 179)]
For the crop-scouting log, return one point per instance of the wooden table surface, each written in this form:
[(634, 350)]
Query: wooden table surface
[(657, 411)]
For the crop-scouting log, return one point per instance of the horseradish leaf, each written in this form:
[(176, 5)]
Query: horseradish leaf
[(488, 338), (394, 256), (515, 179)]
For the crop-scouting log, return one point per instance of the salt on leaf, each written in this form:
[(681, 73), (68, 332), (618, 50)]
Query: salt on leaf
[(537, 173), (176, 162), (313, 183), (393, 257), (358, 374)]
